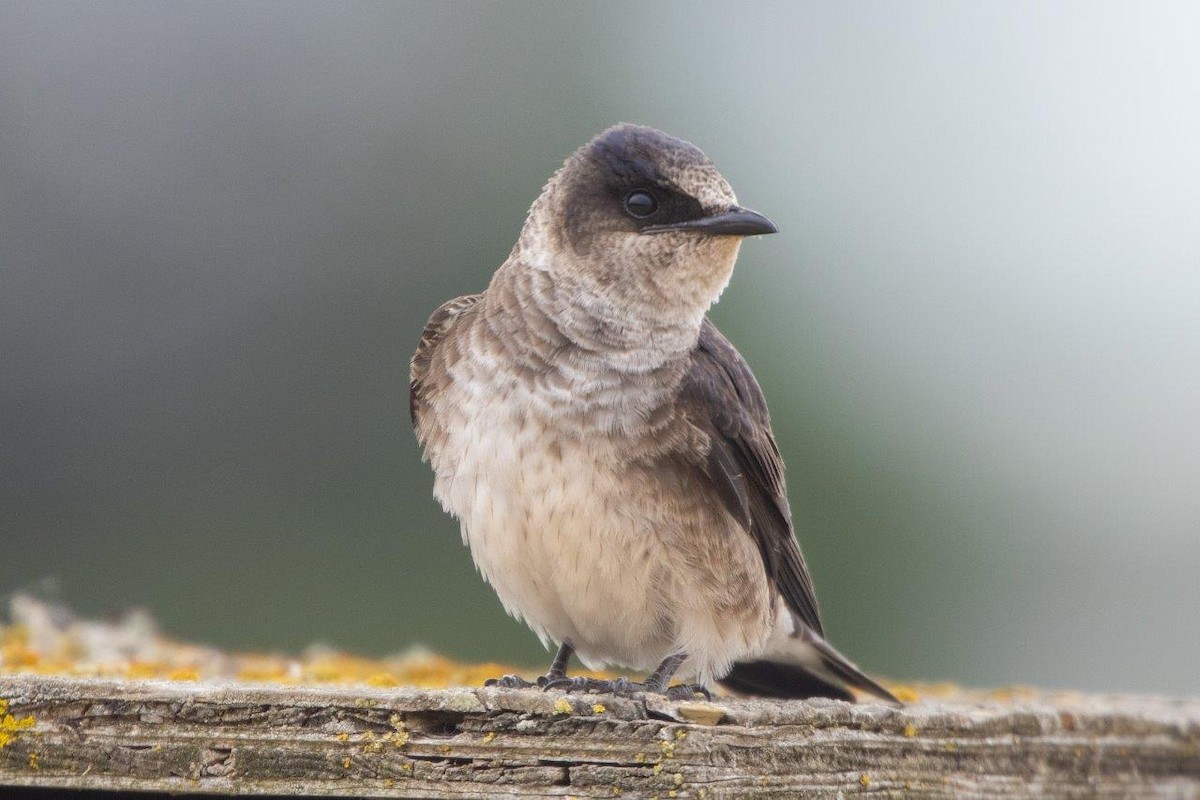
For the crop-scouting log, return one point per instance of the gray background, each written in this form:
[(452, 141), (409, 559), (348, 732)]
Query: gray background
[(223, 225)]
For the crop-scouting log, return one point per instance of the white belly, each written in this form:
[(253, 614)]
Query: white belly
[(549, 532), (585, 549)]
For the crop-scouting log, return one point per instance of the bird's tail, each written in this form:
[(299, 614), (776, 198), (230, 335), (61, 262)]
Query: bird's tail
[(802, 665)]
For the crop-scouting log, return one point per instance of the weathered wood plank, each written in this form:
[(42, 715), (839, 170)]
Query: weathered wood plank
[(478, 743)]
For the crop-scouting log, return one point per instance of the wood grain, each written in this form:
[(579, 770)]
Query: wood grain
[(482, 743)]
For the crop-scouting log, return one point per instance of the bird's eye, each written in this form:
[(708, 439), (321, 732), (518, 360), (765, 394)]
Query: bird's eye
[(640, 204)]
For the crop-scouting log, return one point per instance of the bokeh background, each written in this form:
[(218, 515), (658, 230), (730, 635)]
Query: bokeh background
[(222, 226)]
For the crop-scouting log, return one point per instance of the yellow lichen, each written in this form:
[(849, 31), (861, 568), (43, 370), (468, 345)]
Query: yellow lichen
[(678, 779), (145, 670), (667, 748), (343, 737), (346, 762), (69, 652), (865, 780), (906, 694), (489, 737), (385, 679), (262, 671), (86, 650), (35, 761), (399, 734), (15, 653), (10, 726)]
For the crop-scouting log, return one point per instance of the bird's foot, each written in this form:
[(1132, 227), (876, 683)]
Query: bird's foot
[(510, 682), (687, 691), (623, 687)]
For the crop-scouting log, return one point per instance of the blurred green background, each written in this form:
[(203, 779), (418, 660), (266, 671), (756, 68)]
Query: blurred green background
[(222, 226)]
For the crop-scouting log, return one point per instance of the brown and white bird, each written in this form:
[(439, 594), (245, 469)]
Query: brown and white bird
[(609, 453)]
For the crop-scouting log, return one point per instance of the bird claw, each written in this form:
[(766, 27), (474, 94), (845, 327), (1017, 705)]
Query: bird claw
[(687, 691), (622, 687), (509, 682), (618, 686)]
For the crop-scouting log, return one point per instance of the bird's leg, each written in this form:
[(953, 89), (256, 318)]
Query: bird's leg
[(557, 678), (659, 680), (558, 671), (558, 667)]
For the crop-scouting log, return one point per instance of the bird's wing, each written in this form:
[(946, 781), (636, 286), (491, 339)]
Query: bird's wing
[(722, 398), (440, 323)]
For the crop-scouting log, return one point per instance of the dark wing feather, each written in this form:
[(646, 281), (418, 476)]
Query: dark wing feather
[(439, 324), (744, 467)]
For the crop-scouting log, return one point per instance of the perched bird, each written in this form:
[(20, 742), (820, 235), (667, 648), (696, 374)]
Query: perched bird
[(609, 453)]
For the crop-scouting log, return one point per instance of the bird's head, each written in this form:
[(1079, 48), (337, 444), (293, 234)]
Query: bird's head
[(642, 219)]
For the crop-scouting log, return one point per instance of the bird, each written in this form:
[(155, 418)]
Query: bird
[(608, 452)]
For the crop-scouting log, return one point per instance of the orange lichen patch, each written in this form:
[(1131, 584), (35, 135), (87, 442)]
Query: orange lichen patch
[(50, 640), (1011, 693), (10, 726), (17, 655), (422, 669), (430, 671), (384, 679), (15, 652), (943, 690), (266, 669), (905, 694), (147, 670)]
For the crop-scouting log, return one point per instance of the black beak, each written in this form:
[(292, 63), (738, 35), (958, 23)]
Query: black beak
[(734, 222)]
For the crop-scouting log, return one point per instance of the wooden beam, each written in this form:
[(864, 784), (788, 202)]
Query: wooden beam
[(479, 743)]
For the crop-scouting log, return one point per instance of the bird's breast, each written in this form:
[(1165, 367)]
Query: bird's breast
[(554, 524), (576, 515)]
